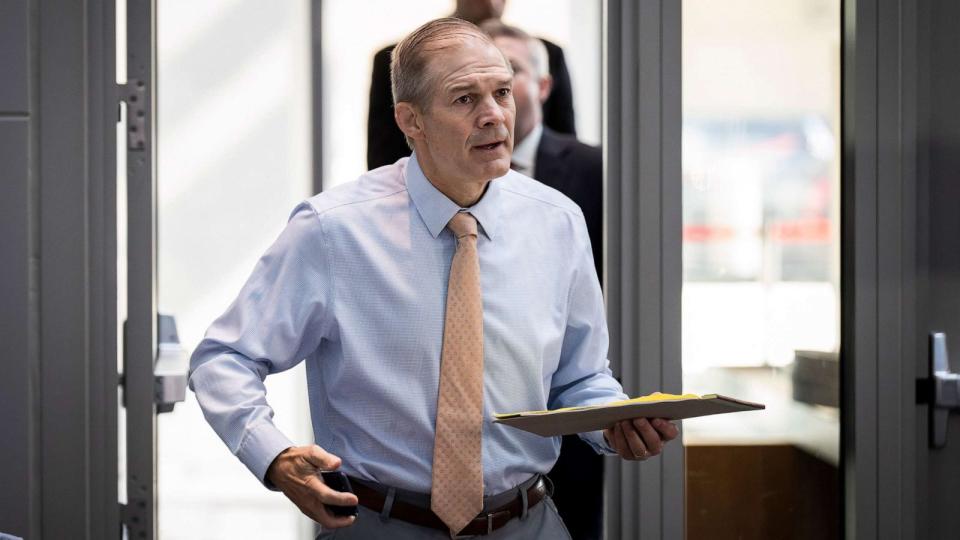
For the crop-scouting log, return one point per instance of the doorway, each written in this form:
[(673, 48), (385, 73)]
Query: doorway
[(761, 265)]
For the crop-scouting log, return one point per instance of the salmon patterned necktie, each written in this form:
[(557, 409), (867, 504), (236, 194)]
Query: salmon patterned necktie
[(457, 491)]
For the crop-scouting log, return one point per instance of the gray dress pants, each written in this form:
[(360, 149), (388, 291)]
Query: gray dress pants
[(541, 522)]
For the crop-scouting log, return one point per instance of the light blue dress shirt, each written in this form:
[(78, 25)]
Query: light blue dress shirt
[(356, 285)]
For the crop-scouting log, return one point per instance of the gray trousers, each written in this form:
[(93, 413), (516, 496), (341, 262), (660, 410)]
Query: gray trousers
[(541, 522)]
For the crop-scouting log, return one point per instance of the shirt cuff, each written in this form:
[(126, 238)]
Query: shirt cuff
[(599, 444), (261, 445)]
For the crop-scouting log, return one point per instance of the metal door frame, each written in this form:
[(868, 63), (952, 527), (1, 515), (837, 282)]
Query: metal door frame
[(643, 283), (878, 257), (58, 270), (643, 278), (878, 268), (139, 515)]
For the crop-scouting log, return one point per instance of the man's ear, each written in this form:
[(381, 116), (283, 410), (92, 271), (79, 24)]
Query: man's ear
[(409, 119), (545, 87)]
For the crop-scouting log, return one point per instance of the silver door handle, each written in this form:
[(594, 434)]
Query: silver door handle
[(170, 371), (945, 391)]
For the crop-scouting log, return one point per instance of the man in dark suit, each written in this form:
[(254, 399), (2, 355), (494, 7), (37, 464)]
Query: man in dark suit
[(575, 169), (385, 142)]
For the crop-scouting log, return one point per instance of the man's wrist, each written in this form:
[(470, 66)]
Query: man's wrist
[(261, 445), (268, 479), (598, 441)]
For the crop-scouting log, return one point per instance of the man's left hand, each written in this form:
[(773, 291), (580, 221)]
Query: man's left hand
[(640, 438)]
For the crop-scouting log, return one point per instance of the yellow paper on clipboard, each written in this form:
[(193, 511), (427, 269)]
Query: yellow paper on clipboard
[(596, 417)]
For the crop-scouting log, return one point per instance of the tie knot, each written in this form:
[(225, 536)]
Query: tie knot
[(463, 224)]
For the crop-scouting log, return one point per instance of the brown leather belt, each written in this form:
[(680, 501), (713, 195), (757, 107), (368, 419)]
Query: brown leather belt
[(483, 524)]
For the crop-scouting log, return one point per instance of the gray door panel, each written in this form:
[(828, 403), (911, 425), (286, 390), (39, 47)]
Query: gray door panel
[(938, 471)]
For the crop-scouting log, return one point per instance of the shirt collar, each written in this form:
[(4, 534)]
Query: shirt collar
[(436, 209), (525, 153)]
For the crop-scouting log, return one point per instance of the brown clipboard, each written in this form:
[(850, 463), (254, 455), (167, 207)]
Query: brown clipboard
[(593, 418)]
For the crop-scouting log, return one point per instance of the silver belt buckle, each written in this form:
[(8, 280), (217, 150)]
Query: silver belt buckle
[(490, 519)]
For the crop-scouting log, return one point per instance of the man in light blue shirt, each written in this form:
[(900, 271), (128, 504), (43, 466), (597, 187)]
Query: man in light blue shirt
[(356, 286)]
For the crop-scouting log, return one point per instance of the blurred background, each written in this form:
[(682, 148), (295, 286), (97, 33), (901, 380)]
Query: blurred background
[(761, 264)]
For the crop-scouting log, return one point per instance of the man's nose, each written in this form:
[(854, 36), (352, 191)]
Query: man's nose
[(491, 113)]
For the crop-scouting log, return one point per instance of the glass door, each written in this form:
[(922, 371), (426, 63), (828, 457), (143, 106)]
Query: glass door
[(234, 159), (761, 298)]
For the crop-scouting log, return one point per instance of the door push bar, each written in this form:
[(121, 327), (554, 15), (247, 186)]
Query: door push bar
[(169, 370), (941, 390)]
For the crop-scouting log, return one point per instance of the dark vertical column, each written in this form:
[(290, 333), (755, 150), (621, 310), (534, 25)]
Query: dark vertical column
[(57, 277), (140, 340), (102, 113), (912, 338), (64, 242), (316, 91), (938, 308), (896, 225), (15, 58), (878, 262), (643, 126), (858, 270), (19, 504), (671, 263), (927, 33)]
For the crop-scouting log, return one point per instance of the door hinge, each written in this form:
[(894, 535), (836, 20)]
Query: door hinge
[(134, 94), (134, 516)]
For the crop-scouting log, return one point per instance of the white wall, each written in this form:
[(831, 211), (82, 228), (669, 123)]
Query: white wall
[(233, 160)]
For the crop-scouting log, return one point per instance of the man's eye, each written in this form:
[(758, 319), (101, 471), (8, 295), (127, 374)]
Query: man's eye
[(464, 100), (503, 92)]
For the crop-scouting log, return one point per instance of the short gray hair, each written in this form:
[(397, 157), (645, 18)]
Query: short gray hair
[(538, 51), (409, 76)]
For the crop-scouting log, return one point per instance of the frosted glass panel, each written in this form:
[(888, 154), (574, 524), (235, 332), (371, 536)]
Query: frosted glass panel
[(233, 161)]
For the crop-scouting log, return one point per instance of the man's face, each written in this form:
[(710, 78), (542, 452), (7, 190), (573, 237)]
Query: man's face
[(467, 129), (526, 85)]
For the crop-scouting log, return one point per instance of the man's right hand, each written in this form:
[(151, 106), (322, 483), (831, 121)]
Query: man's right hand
[(296, 472)]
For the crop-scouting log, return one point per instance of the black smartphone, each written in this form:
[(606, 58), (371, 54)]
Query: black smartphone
[(338, 481)]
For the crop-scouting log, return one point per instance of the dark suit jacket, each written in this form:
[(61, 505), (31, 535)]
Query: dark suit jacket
[(385, 142), (576, 170)]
